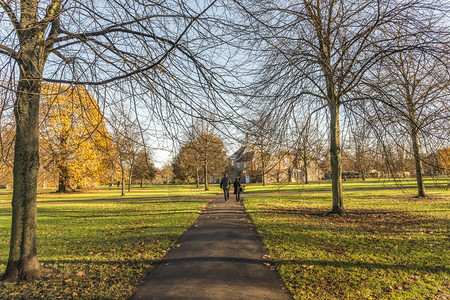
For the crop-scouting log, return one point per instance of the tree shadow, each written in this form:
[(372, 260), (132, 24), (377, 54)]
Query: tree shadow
[(369, 266), (362, 219)]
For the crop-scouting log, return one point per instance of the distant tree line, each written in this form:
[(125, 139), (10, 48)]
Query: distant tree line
[(77, 150), (371, 72)]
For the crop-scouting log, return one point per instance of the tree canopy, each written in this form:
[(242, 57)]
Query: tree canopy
[(74, 138), (205, 152)]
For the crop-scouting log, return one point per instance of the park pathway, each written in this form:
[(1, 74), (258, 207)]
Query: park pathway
[(220, 257)]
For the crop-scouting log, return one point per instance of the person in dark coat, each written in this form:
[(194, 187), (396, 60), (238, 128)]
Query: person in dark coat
[(225, 184), (237, 188)]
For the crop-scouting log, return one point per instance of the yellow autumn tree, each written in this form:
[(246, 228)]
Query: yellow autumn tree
[(443, 158), (6, 152), (74, 139)]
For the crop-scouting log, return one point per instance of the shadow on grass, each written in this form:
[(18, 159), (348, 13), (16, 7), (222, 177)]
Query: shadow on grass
[(307, 264), (99, 262), (369, 266), (109, 215), (216, 259), (385, 220)]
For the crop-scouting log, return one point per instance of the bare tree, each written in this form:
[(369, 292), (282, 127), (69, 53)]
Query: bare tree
[(143, 168), (6, 147), (362, 144), (320, 51), (266, 138), (126, 139), (209, 149), (89, 42), (411, 91), (306, 142)]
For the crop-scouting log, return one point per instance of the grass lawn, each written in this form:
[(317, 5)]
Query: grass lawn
[(371, 183), (388, 246), (99, 250), (104, 193)]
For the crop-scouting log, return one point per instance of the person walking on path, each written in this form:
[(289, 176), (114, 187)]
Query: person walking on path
[(225, 184), (237, 188)]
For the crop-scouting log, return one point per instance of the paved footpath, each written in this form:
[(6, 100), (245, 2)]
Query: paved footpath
[(220, 257)]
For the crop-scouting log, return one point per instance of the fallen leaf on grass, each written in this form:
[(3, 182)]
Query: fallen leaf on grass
[(67, 280), (80, 273)]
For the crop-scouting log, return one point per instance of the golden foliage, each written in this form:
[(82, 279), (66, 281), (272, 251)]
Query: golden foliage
[(74, 140), (6, 153), (443, 156)]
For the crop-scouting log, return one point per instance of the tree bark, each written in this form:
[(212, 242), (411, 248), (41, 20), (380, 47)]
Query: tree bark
[(129, 179), (335, 153), (23, 263), (63, 180), (418, 162), (264, 183), (123, 180), (206, 177), (305, 165), (197, 177), (33, 52)]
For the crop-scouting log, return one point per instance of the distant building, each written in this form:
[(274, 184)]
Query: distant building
[(242, 163), (283, 167)]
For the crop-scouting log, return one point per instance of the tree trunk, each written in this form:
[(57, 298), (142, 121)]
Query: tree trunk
[(123, 181), (129, 180), (206, 177), (63, 181), (264, 183), (305, 165), (415, 144), (335, 153), (23, 263), (197, 178), (290, 174)]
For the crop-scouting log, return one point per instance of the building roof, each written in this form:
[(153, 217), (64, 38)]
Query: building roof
[(236, 155), (246, 156)]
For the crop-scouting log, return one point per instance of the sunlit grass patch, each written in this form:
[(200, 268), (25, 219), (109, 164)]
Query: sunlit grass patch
[(371, 183), (105, 193), (389, 245), (99, 250)]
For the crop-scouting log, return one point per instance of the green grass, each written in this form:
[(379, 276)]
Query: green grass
[(104, 193), (99, 250), (388, 246), (347, 185)]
